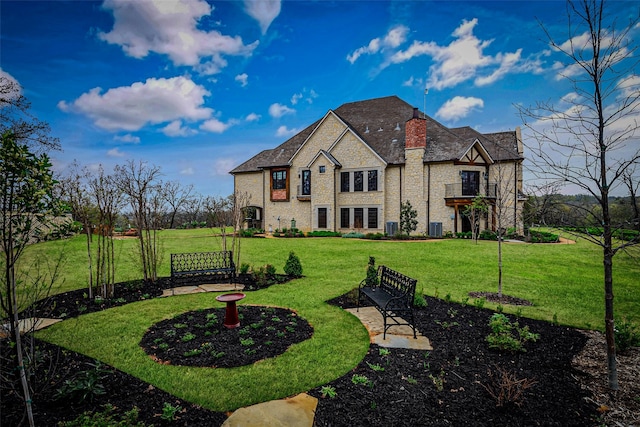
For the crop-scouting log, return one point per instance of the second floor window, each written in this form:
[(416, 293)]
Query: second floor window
[(306, 182), (279, 180), (358, 184), (344, 182), (372, 180)]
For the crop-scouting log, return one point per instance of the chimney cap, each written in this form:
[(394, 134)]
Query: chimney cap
[(416, 113)]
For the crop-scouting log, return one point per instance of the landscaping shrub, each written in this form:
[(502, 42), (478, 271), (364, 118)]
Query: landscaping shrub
[(374, 236), (353, 235), (293, 267), (105, 418), (324, 234), (626, 334), (372, 274), (626, 234), (488, 235), (502, 336), (250, 232), (543, 237), (464, 235)]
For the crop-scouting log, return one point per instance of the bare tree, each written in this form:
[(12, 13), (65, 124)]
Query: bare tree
[(591, 141), (141, 185), (74, 191), (177, 196), (108, 200), (240, 202)]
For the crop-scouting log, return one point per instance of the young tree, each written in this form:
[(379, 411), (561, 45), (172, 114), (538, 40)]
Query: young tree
[(26, 188), (107, 198), (589, 141), (74, 191), (141, 185), (408, 215), (476, 211)]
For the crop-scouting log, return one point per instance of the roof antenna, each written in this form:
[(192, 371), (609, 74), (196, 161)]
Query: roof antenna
[(424, 107)]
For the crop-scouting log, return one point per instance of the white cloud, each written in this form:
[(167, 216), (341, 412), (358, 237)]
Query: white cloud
[(132, 107), (221, 167), (187, 171), (394, 38), (412, 81), (307, 94), (278, 110), (252, 117), (242, 79), (283, 131), (458, 107), (127, 138), (464, 59), (263, 11), (175, 128), (295, 98), (214, 125), (115, 152), (171, 28)]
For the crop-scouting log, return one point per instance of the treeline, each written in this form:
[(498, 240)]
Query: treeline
[(583, 213)]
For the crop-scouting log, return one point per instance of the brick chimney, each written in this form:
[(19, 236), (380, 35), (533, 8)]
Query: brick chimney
[(416, 131)]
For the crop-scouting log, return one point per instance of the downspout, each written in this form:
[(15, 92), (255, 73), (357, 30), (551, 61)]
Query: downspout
[(400, 206), (335, 200), (428, 195)]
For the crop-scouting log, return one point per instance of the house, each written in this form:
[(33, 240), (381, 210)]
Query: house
[(352, 169)]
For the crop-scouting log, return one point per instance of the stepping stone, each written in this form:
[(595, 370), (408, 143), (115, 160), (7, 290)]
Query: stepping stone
[(222, 287), (297, 411), (182, 290), (28, 324), (397, 336)]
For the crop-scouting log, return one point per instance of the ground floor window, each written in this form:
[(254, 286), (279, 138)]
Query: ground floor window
[(372, 214), (358, 218), (322, 217), (344, 218)]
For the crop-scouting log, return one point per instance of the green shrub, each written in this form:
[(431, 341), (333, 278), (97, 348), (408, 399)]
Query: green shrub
[(419, 301), (372, 274), (293, 267), (374, 236), (85, 385), (353, 235), (488, 235), (105, 418), (464, 235), (543, 237), (244, 268), (502, 336), (626, 334), (322, 233)]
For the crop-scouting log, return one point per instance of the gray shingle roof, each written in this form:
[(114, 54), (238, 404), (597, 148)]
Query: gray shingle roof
[(380, 122)]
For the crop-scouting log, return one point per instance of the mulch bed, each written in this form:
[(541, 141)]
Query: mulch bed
[(457, 383)]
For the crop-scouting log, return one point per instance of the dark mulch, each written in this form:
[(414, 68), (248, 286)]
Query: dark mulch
[(461, 363), (198, 338), (405, 393)]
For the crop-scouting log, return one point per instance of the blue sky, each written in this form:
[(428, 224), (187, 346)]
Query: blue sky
[(197, 87)]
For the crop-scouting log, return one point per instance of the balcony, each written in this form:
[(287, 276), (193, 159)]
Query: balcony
[(303, 197), (456, 191)]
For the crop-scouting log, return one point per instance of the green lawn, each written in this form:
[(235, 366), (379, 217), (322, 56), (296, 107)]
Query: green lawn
[(563, 281)]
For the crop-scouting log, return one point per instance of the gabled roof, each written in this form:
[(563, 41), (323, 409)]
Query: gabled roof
[(380, 123), (328, 156)]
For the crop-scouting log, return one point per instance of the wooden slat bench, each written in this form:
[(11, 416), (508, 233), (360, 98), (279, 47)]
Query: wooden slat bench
[(393, 297), (201, 265)]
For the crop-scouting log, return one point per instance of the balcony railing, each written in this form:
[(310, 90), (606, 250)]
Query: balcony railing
[(455, 191), (301, 196)]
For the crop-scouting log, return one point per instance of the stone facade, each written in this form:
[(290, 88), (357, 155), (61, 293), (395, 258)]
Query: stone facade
[(353, 168)]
